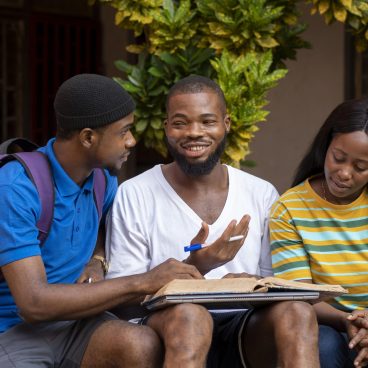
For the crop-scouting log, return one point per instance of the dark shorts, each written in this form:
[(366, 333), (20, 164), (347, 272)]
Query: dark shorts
[(226, 348), (51, 344)]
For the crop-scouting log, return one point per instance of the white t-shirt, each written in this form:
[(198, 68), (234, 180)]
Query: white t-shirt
[(149, 223)]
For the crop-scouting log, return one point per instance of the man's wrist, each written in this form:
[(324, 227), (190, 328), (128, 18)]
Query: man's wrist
[(189, 261), (103, 262)]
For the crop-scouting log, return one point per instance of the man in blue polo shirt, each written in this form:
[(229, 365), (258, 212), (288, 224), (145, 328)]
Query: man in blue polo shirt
[(47, 318)]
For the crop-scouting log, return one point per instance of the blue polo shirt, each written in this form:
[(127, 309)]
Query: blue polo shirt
[(72, 235)]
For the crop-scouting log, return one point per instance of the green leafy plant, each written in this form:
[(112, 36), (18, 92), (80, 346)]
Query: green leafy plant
[(245, 82), (133, 14), (242, 44), (240, 26), (353, 13)]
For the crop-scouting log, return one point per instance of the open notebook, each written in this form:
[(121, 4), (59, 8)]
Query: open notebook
[(238, 293)]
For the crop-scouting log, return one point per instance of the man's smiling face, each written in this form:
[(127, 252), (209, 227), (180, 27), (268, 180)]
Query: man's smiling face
[(196, 129)]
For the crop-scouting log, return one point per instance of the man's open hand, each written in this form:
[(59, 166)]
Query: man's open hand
[(221, 251)]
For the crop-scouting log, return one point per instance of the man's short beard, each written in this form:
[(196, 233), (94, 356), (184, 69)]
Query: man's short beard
[(201, 168)]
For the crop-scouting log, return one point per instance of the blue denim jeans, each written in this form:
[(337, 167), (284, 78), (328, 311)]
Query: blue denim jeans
[(334, 351)]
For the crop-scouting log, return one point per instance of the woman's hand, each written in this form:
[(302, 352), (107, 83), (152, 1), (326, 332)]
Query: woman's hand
[(357, 330)]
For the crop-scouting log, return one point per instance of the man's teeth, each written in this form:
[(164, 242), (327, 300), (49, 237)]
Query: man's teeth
[(195, 148)]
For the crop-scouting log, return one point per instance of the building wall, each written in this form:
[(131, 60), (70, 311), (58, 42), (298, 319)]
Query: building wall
[(300, 103), (114, 41)]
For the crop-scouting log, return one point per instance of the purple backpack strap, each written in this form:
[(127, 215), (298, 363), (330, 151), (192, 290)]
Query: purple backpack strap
[(99, 187), (38, 169)]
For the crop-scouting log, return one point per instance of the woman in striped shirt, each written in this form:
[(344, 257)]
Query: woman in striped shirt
[(319, 231)]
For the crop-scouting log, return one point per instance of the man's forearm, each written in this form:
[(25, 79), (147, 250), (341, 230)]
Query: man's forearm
[(38, 300), (83, 300)]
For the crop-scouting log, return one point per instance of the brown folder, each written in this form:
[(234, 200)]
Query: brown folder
[(238, 293)]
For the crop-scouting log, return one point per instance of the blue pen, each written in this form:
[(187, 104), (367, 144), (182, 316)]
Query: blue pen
[(190, 248), (197, 246)]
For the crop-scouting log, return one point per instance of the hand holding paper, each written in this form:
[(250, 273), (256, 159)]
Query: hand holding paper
[(169, 270)]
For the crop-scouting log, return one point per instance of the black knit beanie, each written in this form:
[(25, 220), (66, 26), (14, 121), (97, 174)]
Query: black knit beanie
[(91, 101)]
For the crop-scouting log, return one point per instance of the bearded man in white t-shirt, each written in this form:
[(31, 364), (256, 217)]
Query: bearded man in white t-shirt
[(196, 199)]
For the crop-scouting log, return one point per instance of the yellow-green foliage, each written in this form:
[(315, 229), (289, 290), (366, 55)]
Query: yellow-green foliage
[(252, 25), (354, 13), (172, 28), (245, 81), (240, 43), (134, 14)]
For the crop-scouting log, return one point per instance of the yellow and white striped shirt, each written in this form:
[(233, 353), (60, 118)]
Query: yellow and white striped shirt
[(315, 240)]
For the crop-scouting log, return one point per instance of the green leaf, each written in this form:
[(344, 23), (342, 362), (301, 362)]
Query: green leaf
[(158, 91), (141, 125), (135, 49), (340, 13), (135, 81), (169, 6), (159, 134), (183, 12), (156, 72), (347, 3), (354, 22), (129, 87), (323, 6), (169, 59), (123, 66), (156, 123), (267, 42)]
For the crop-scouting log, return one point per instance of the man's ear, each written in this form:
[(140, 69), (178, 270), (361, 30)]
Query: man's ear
[(165, 123), (227, 122), (87, 137)]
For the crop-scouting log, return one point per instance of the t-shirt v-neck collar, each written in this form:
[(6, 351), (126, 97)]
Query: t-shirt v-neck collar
[(176, 198)]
